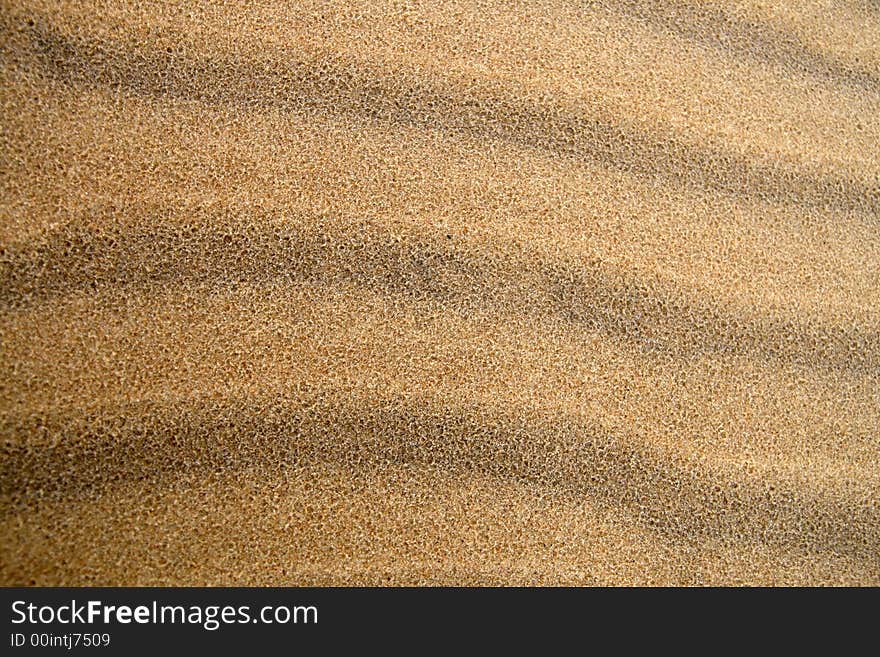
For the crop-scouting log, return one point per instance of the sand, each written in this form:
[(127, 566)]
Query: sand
[(561, 292)]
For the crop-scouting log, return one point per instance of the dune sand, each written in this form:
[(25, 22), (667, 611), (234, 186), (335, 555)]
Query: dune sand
[(555, 292)]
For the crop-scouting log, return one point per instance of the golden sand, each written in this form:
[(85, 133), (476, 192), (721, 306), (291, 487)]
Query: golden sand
[(556, 292)]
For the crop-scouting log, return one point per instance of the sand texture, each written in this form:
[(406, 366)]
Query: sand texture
[(391, 292)]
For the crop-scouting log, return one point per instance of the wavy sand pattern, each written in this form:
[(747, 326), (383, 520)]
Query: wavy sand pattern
[(562, 292)]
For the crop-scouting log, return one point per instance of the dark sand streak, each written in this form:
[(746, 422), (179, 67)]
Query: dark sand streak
[(155, 253), (412, 100), (668, 493)]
